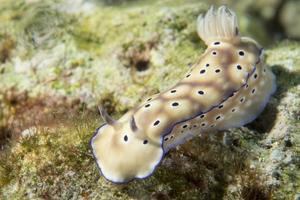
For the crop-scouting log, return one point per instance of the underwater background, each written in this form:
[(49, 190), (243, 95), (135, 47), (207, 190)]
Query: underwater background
[(60, 59)]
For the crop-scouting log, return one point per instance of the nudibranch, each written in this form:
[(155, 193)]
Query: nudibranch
[(227, 87)]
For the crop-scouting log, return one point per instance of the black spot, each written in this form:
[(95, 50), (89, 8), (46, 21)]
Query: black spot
[(213, 125), (149, 99), (201, 116), (145, 141), (207, 65), (173, 91), (241, 53), (255, 76), (125, 138), (241, 100), (195, 126), (202, 71), (218, 117), (221, 106), (188, 75), (147, 105), (203, 124), (200, 92), (156, 123), (216, 43), (239, 67), (264, 70), (253, 91), (171, 137), (214, 53), (217, 70), (232, 94), (247, 86), (184, 126), (175, 104), (166, 138), (233, 110)]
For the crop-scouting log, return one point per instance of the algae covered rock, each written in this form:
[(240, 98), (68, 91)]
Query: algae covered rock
[(291, 12), (54, 74)]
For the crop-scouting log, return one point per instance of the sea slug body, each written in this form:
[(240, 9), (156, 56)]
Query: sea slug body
[(227, 87)]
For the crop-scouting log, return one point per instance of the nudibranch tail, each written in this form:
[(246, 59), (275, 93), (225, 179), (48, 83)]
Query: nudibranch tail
[(217, 24)]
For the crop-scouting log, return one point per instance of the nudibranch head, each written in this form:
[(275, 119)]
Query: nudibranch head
[(122, 152)]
